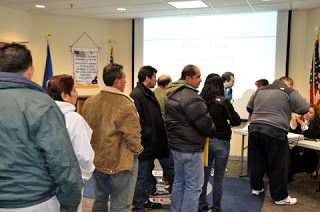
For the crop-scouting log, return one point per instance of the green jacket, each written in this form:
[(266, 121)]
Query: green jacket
[(36, 157)]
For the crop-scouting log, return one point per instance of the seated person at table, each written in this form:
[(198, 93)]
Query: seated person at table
[(304, 159)]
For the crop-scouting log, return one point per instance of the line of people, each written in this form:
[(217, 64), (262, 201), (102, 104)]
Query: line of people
[(46, 153)]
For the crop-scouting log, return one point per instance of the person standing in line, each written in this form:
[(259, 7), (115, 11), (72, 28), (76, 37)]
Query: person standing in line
[(38, 170), (116, 141), (61, 88), (153, 136), (224, 116), (228, 83), (271, 108), (188, 123), (166, 163)]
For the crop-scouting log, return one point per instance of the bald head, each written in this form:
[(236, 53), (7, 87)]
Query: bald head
[(163, 81)]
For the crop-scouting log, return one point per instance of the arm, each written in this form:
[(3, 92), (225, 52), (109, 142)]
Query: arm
[(197, 113), (298, 104), (139, 106), (80, 137), (233, 116), (128, 123), (53, 142)]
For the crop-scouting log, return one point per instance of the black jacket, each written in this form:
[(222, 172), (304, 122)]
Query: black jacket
[(223, 115), (187, 119), (153, 135)]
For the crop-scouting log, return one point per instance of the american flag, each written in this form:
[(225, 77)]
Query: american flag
[(80, 54), (314, 76)]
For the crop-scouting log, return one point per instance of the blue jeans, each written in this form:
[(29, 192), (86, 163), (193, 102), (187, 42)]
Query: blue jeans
[(143, 186), (219, 153), (188, 181), (119, 186)]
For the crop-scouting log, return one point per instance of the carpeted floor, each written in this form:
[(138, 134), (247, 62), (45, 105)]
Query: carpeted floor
[(303, 188)]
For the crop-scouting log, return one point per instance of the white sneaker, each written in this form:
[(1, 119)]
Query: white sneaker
[(257, 192), (287, 201), (212, 172)]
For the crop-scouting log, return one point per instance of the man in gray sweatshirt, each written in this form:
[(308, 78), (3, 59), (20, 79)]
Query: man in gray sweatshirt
[(271, 108)]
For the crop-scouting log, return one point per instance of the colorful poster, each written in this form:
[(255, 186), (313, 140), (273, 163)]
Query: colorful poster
[(85, 67)]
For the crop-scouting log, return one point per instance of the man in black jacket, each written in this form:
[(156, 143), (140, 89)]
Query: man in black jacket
[(153, 136), (188, 123)]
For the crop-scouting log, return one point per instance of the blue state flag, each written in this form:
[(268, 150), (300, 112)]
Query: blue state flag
[(48, 73)]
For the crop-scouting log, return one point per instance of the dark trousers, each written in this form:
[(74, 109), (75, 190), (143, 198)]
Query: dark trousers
[(168, 168), (272, 154), (142, 191)]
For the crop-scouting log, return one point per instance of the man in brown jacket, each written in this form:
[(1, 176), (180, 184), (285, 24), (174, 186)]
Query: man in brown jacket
[(116, 141)]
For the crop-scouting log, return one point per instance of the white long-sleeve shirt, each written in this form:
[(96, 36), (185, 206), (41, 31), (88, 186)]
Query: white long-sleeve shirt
[(80, 136)]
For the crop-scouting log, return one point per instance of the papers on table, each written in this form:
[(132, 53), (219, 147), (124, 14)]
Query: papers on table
[(293, 137)]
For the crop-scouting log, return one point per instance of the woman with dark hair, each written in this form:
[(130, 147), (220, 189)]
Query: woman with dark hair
[(304, 159), (62, 89), (224, 116)]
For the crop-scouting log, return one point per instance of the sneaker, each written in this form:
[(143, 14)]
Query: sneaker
[(287, 201), (257, 192), (152, 205)]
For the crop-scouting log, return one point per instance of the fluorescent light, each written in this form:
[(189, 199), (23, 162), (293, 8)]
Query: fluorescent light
[(40, 6), (121, 9), (266, 0), (188, 4)]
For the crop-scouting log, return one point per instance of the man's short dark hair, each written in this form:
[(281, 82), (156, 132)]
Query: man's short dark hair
[(164, 82), (15, 58), (146, 71), (262, 82), (227, 76), (188, 71), (112, 72)]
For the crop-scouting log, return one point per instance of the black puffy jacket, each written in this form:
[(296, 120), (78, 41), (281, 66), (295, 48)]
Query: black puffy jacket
[(187, 119)]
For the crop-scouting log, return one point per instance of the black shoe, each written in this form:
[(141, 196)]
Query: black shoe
[(206, 208), (152, 205)]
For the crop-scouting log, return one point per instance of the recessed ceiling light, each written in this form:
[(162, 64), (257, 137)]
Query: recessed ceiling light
[(121, 9), (40, 6), (266, 0), (188, 4)]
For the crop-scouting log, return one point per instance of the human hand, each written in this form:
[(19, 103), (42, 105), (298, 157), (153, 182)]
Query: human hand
[(294, 120)]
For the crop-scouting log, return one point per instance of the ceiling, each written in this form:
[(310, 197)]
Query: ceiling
[(106, 9)]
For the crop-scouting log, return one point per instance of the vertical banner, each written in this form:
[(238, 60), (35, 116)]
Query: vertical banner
[(85, 67)]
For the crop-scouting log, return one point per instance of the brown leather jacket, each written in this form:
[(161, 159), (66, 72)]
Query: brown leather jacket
[(116, 138)]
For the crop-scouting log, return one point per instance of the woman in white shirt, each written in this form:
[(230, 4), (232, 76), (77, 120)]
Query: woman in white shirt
[(62, 89), (304, 159)]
